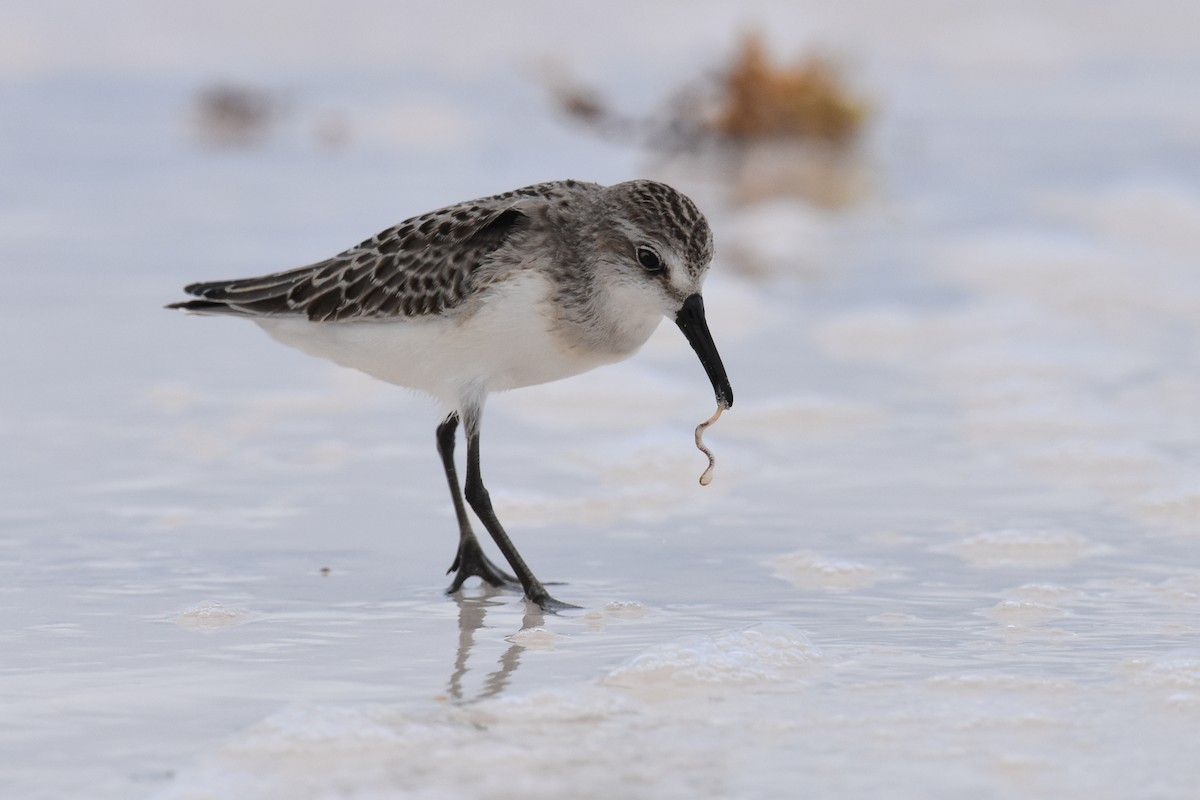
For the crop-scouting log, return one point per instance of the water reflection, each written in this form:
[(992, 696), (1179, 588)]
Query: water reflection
[(472, 611)]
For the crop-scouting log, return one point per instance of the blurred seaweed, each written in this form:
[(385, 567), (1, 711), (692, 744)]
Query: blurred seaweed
[(237, 116), (229, 116), (791, 130), (809, 101)]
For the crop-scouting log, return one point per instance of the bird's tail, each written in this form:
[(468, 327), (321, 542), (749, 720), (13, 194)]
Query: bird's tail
[(248, 297)]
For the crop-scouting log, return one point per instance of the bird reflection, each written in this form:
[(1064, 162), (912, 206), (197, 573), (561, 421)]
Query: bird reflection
[(471, 614)]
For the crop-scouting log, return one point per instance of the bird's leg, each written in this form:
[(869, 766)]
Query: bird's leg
[(469, 560), (481, 504)]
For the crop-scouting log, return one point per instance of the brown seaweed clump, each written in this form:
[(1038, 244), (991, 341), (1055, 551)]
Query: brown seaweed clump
[(809, 101), (751, 101)]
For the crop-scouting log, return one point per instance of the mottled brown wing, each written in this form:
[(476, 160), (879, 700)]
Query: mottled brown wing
[(422, 266)]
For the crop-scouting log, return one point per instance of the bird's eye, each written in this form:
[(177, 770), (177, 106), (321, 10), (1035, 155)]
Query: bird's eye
[(649, 259)]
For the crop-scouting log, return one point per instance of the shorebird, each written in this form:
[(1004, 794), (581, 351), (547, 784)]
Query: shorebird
[(512, 290)]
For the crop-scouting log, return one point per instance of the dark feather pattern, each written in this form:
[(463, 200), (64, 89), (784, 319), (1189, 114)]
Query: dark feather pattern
[(421, 266)]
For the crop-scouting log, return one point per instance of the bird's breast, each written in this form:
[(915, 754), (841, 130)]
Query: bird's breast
[(520, 339), (511, 337)]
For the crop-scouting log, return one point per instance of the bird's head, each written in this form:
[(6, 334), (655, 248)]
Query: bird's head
[(660, 246)]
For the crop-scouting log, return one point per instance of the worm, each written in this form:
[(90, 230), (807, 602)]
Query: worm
[(706, 477)]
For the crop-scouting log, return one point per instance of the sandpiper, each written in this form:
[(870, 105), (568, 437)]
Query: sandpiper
[(512, 290)]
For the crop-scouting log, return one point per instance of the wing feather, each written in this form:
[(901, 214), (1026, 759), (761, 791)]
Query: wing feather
[(421, 266)]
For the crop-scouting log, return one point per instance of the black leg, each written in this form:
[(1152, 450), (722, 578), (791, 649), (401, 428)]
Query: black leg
[(481, 504), (469, 560)]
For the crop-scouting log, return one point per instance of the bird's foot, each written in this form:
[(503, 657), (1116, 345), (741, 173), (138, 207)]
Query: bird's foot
[(538, 595), (471, 562)]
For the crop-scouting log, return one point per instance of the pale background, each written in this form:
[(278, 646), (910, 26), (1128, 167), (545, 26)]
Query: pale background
[(952, 548)]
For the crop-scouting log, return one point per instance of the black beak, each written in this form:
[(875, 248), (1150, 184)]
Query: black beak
[(690, 320)]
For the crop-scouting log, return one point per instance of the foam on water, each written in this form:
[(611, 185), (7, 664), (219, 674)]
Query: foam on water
[(211, 617), (614, 611), (811, 571), (536, 638), (591, 741), (768, 652), (1025, 548), (1023, 612), (1179, 671)]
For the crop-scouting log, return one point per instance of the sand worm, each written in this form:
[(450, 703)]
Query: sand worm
[(706, 477)]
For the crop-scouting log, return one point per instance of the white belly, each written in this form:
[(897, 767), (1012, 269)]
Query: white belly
[(507, 343)]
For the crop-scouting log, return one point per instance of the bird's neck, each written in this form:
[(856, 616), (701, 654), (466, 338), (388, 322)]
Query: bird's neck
[(613, 321)]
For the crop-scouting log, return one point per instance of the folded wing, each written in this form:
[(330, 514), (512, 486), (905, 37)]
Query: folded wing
[(424, 265)]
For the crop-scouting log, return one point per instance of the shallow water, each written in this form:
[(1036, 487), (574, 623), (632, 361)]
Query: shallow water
[(952, 545)]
